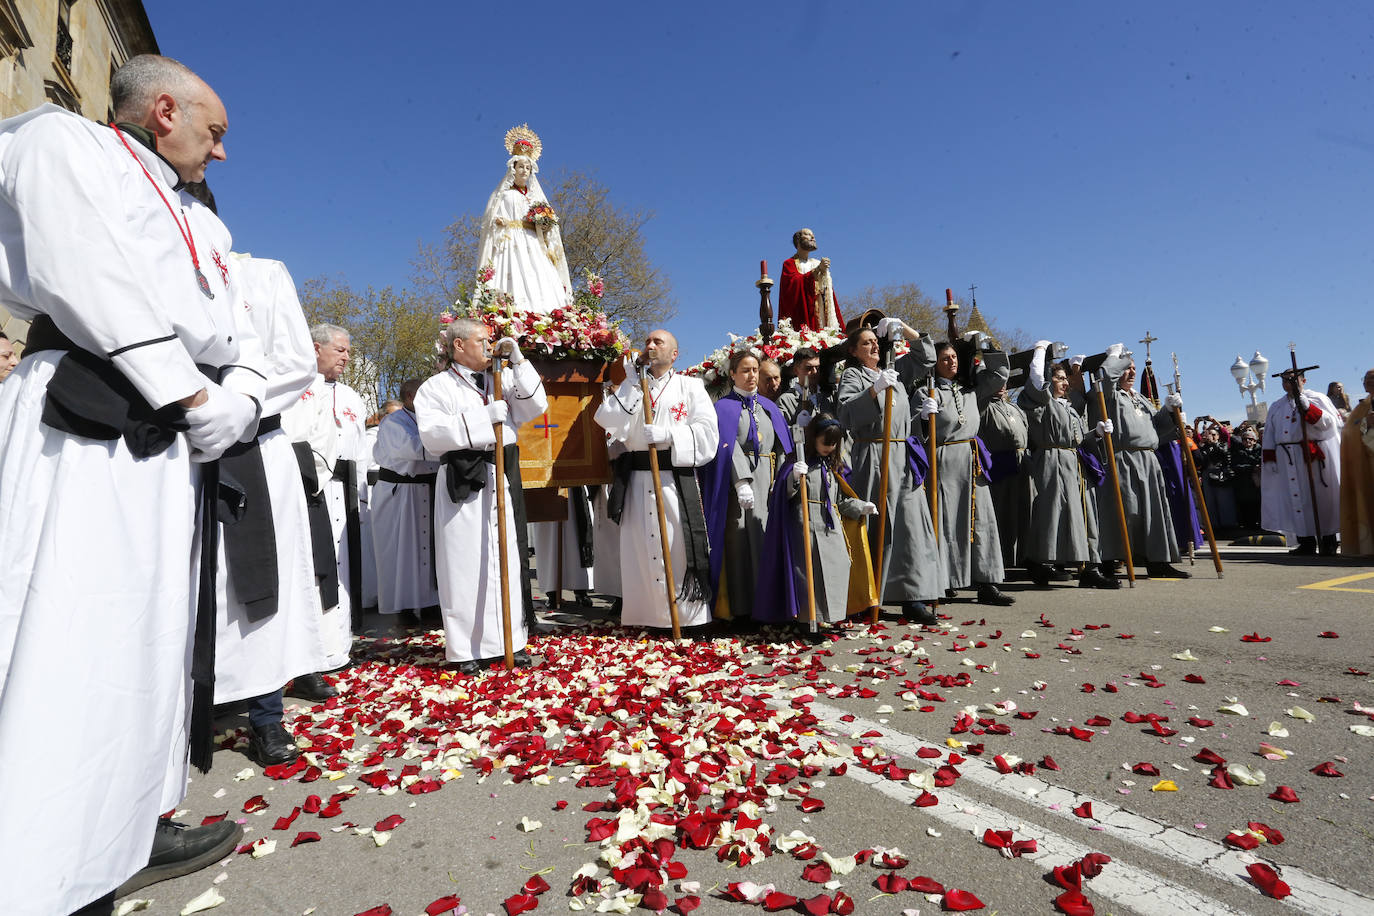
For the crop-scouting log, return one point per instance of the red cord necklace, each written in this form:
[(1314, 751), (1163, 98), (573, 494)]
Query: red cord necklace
[(185, 231)]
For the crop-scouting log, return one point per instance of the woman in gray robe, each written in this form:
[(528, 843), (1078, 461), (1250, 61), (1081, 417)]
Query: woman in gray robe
[(1004, 432), (1063, 527), (968, 524), (912, 570)]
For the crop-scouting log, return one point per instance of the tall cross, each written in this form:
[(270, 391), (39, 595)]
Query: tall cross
[(1147, 340), (973, 295), (546, 425)]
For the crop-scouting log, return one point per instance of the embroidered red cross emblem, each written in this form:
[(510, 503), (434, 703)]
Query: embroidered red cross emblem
[(352, 417), (307, 393), (223, 268), (679, 411)]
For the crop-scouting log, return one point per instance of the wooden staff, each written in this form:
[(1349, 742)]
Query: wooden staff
[(806, 536), (882, 506), (501, 517), (1116, 481), (658, 500), (1197, 485)]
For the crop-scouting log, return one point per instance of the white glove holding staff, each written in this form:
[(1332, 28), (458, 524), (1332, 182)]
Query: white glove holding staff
[(498, 411), (887, 378), (867, 509), (891, 328), (1173, 401), (799, 470), (929, 407), (657, 435), (1105, 428), (508, 348), (745, 494)]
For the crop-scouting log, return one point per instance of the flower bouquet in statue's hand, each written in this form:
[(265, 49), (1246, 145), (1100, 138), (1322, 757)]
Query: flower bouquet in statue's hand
[(541, 216)]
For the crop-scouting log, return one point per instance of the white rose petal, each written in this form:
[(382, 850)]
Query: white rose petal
[(206, 901), (529, 826), (1185, 656), (1297, 712)]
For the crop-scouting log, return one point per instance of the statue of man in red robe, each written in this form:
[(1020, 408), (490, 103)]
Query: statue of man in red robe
[(806, 295)]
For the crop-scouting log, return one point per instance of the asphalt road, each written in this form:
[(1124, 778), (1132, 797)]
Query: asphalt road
[(772, 728)]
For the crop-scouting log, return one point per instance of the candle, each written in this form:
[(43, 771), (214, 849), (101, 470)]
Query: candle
[(763, 269), (949, 297)]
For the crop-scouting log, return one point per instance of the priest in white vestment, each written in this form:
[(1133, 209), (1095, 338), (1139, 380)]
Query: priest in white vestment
[(458, 414), (685, 434), (559, 551), (97, 509), (402, 513), (331, 417), (1286, 497)]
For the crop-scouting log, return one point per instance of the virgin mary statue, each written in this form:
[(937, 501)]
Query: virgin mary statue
[(520, 241)]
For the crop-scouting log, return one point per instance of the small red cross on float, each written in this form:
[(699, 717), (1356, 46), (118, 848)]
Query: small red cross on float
[(679, 411), (223, 268), (352, 417)]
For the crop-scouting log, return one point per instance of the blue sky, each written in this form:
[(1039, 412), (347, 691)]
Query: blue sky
[(1201, 171)]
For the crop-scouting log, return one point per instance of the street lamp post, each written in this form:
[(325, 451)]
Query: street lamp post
[(1249, 379)]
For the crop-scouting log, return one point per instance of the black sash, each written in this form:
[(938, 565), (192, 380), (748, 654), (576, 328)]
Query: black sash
[(250, 538), (345, 471), (466, 474), (696, 579), (322, 547), (582, 524), (386, 475)]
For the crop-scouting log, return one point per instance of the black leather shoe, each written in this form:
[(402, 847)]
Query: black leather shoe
[(581, 597), (1327, 548), (1307, 547), (409, 618), (1061, 574), (522, 659), (1165, 571), (950, 594), (991, 594), (919, 612), (179, 850), (271, 745), (1041, 574), (1092, 577), (311, 687), (467, 668)]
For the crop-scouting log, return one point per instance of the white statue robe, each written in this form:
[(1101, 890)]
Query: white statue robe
[(521, 262), (1285, 498), (682, 406), (450, 409), (253, 658), (331, 417), (99, 547), (402, 518)]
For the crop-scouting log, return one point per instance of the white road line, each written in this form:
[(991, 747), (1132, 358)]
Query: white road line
[(1311, 894)]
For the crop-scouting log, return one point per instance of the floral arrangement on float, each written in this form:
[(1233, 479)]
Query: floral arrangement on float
[(786, 340), (580, 331)]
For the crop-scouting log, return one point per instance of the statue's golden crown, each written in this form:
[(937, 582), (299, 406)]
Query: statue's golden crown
[(521, 141)]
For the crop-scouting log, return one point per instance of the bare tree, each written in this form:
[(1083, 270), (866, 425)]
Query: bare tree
[(598, 236), (910, 303)]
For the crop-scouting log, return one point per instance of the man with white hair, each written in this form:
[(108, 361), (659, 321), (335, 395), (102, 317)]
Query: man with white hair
[(132, 378), (331, 418)]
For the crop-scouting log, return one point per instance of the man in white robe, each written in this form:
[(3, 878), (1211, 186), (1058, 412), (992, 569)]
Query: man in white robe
[(458, 414), (685, 434), (257, 653), (402, 513), (105, 489), (1285, 496), (331, 417)]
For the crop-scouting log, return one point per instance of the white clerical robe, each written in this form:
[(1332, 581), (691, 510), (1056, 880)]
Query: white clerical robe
[(402, 517), (544, 537), (1285, 498), (682, 406), (97, 599), (253, 658), (330, 416), (450, 409)]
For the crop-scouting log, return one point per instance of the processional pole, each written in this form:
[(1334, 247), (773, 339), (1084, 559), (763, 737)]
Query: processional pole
[(1295, 374)]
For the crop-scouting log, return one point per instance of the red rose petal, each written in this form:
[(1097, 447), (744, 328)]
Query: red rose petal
[(842, 905), (779, 901), (1220, 779), (1069, 877), (1267, 880), (382, 910), (1241, 840), (926, 800), (537, 885), (685, 905), (818, 873), (958, 901), (1048, 763), (1270, 834), (389, 823), (1209, 757), (1073, 903), (818, 905), (1145, 769), (1284, 794), (1324, 634), (442, 905), (1084, 810), (1255, 637), (891, 883), (997, 839), (256, 803), (810, 804), (1327, 769), (923, 885), (213, 819), (1200, 723), (654, 899), (305, 836), (520, 903), (1194, 679)]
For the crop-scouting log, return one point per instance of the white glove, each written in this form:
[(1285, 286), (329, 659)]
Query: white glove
[(799, 470), (1116, 350), (1173, 401), (886, 379), (628, 361), (1042, 344), (508, 348), (891, 328), (803, 419), (1302, 402), (497, 412), (221, 421), (1077, 360), (929, 407), (867, 509), (745, 494), (657, 435), (1104, 428)]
